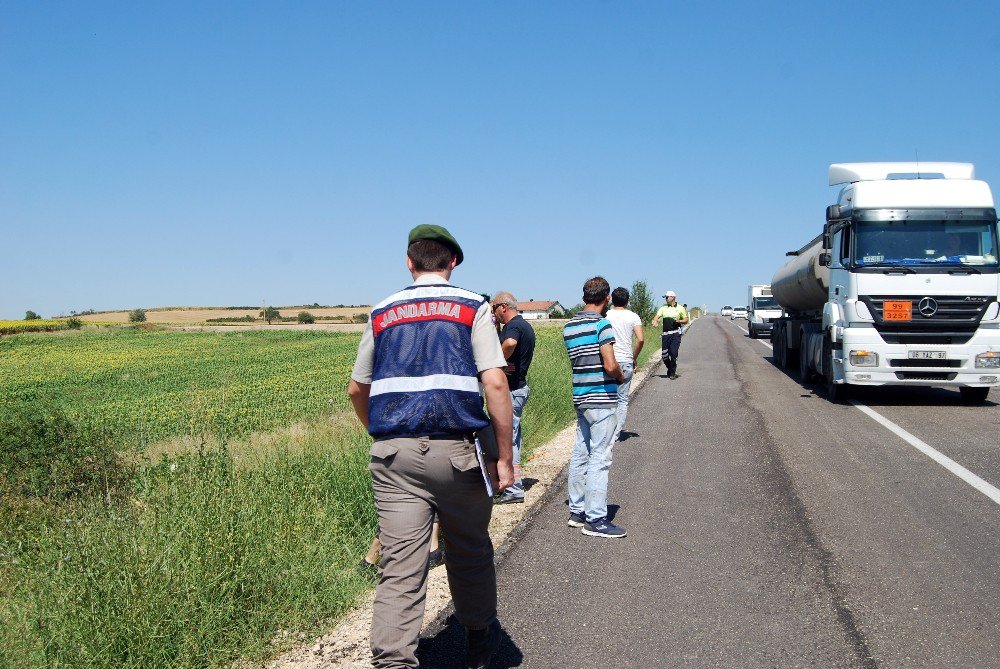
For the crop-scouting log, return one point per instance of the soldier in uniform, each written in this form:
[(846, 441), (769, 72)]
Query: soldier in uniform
[(416, 387), (674, 317)]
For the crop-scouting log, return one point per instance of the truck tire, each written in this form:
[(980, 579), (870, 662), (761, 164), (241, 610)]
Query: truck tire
[(791, 358), (972, 395), (835, 392), (780, 353), (805, 374)]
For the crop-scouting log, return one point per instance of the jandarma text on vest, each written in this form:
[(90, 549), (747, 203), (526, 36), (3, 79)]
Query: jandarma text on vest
[(417, 311)]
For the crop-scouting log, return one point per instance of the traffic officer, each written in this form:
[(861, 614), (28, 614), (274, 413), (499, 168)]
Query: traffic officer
[(416, 387), (674, 316)]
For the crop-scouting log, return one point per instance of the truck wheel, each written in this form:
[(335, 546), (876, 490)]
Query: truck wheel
[(779, 349), (974, 395), (837, 392), (791, 357), (804, 372)]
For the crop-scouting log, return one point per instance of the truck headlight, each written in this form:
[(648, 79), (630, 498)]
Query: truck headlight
[(989, 360), (861, 358)]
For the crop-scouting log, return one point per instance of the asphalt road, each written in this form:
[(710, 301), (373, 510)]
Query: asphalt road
[(768, 527)]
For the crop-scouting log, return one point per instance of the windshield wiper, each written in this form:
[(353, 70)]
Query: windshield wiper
[(902, 269), (964, 270)]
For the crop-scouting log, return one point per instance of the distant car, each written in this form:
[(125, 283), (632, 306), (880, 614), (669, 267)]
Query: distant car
[(738, 312), (726, 311)]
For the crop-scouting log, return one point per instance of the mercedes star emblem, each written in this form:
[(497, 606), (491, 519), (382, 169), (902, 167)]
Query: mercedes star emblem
[(927, 307)]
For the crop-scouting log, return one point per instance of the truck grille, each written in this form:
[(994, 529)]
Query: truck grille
[(954, 321), (926, 376)]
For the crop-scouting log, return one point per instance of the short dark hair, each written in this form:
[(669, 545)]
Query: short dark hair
[(596, 290), (619, 297), (429, 256)]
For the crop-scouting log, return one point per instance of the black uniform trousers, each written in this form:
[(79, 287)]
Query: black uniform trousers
[(671, 343)]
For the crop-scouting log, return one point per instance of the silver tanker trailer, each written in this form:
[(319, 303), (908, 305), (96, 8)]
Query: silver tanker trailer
[(901, 285)]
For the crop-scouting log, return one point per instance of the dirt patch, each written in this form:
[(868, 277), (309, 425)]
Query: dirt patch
[(346, 646), (186, 315), (327, 327)]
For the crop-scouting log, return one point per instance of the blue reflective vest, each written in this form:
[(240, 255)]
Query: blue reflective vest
[(424, 377)]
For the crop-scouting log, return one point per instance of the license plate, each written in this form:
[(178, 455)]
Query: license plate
[(926, 355), (894, 310)]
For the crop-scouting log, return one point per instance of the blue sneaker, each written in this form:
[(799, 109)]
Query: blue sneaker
[(603, 528), (576, 520)]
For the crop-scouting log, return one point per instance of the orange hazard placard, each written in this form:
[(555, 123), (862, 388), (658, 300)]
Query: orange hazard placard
[(901, 310)]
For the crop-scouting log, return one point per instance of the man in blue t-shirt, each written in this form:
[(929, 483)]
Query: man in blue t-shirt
[(517, 339), (590, 340)]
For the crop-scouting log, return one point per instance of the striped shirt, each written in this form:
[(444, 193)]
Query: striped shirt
[(584, 335)]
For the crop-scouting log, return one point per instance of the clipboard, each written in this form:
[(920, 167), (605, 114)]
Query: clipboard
[(481, 457)]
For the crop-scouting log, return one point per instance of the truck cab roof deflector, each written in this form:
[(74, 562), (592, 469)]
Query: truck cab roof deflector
[(844, 173)]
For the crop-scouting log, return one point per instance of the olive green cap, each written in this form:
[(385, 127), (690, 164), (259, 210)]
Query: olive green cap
[(438, 234)]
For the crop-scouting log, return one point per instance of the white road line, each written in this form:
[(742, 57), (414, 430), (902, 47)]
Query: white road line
[(958, 470), (747, 333)]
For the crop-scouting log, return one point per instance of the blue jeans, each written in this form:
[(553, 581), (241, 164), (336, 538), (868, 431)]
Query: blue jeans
[(622, 411), (590, 462), (518, 398)]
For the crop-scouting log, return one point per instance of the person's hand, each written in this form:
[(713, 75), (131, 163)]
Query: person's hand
[(504, 472)]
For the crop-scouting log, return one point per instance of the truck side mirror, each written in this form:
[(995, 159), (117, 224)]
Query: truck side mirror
[(824, 259), (833, 212)]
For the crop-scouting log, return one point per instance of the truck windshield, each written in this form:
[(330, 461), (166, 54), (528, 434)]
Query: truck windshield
[(925, 242), (765, 303)]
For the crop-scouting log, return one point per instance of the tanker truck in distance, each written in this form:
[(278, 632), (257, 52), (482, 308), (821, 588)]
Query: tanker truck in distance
[(900, 287)]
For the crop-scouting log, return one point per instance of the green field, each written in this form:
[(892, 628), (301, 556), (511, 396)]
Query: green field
[(115, 554), (153, 385)]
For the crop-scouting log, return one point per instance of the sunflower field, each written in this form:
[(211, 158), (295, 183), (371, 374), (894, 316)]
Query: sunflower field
[(149, 385)]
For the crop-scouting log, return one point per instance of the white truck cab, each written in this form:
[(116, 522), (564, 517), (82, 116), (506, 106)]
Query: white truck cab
[(901, 287), (764, 310)]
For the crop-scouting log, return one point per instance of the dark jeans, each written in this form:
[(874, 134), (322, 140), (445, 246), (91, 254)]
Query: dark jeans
[(671, 342)]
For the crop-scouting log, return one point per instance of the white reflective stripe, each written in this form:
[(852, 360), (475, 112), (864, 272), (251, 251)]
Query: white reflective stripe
[(421, 292), (415, 384)]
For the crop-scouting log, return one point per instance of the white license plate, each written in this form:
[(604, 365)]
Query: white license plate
[(926, 355)]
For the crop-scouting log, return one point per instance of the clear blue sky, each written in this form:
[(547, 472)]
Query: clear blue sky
[(225, 153)]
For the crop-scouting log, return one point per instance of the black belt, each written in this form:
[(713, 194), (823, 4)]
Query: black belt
[(464, 436)]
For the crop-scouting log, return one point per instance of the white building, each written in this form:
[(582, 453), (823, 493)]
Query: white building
[(534, 310)]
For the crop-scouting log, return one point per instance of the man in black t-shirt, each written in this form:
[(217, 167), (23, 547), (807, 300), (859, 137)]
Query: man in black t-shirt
[(517, 339)]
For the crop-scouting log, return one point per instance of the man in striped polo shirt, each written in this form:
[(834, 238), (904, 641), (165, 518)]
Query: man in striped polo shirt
[(590, 343)]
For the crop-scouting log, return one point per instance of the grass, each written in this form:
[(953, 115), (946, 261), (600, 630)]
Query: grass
[(231, 530), (209, 555), (151, 385)]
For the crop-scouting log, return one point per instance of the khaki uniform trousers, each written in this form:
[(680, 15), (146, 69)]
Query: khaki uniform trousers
[(412, 477)]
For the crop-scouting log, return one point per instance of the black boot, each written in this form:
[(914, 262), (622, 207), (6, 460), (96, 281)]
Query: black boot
[(481, 645)]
